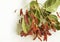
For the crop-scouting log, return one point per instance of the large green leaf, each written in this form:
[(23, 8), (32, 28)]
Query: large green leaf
[(24, 27), (53, 17), (51, 5)]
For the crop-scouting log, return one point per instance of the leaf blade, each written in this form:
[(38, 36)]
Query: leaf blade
[(53, 5)]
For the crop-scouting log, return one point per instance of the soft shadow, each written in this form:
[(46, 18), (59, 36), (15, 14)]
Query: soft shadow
[(19, 28)]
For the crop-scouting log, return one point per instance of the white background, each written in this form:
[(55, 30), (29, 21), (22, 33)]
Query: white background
[(8, 20)]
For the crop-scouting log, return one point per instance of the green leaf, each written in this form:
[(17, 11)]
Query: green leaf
[(37, 14), (53, 17), (45, 13), (24, 27), (51, 5), (57, 26), (34, 5)]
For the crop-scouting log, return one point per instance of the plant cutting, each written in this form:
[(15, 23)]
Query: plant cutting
[(38, 21)]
